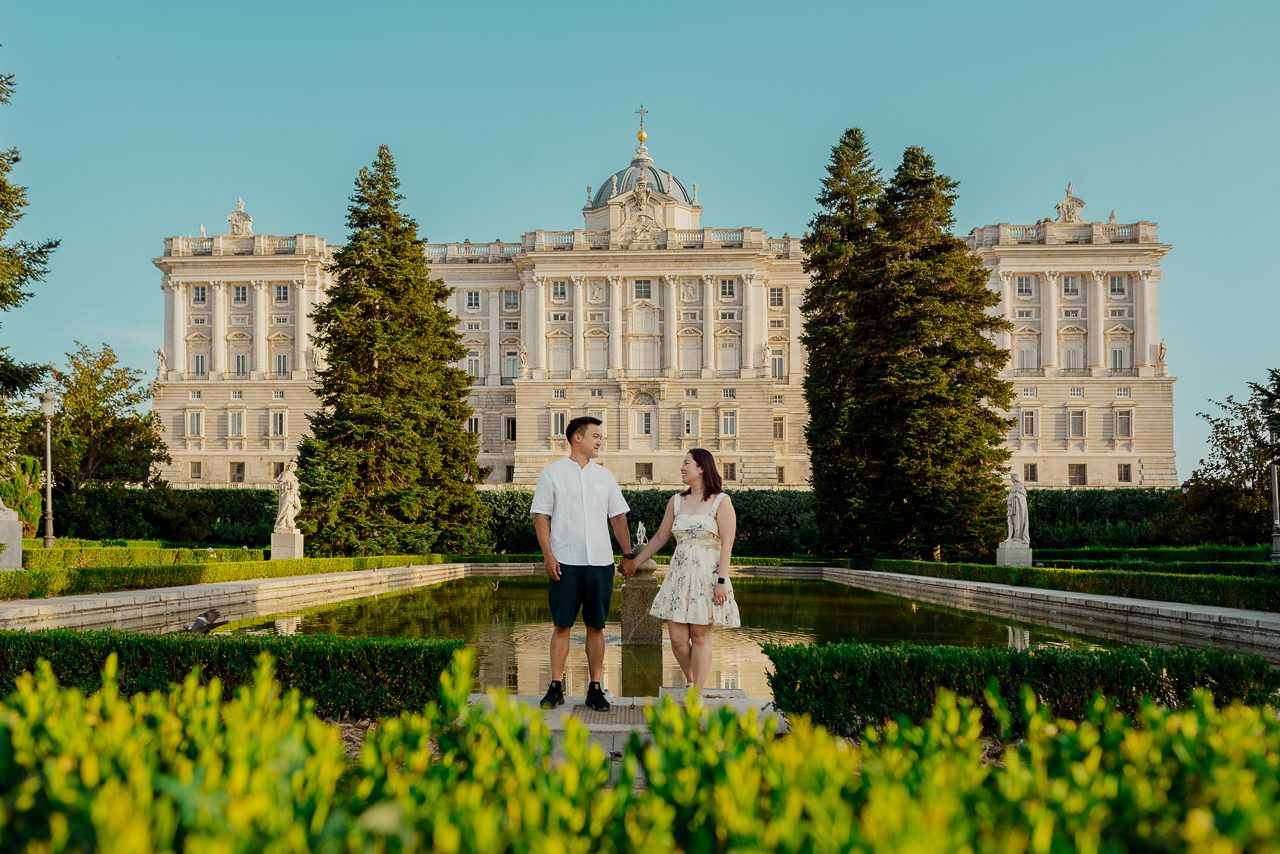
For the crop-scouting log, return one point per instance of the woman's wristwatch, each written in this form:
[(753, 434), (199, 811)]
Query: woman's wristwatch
[(629, 556), (720, 579)]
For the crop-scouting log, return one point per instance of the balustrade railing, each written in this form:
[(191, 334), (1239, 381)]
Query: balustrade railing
[(598, 239), (508, 381), (1124, 372), (731, 235), (1028, 372), (201, 245)]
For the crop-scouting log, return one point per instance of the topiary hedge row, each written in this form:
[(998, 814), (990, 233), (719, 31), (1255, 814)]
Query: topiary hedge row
[(344, 677), (1185, 554), (847, 687), (70, 581), (223, 516), (188, 770), (1254, 594), (1245, 570), (71, 558)]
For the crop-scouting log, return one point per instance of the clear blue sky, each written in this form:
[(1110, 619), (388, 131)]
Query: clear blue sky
[(140, 120)]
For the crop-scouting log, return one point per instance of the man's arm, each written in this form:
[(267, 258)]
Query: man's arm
[(623, 535), (542, 524)]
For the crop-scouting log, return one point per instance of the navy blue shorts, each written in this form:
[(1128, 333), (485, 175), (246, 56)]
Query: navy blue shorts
[(581, 588)]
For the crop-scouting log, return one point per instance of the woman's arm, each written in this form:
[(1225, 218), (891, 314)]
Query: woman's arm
[(661, 536), (727, 522)]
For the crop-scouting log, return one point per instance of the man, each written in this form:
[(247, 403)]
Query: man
[(574, 498)]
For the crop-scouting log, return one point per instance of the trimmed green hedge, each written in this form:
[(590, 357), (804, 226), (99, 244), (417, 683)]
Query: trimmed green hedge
[(215, 515), (344, 677), (186, 770), (1243, 570), (77, 543), (847, 687), (1254, 594), (70, 581), (1188, 554), (72, 558)]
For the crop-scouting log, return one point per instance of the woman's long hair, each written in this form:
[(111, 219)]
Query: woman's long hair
[(711, 482)]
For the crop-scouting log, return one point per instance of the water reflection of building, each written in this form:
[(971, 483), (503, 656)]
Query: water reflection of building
[(1019, 638), (288, 625)]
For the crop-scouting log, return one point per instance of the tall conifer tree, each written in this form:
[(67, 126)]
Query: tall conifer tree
[(389, 468), (838, 249)]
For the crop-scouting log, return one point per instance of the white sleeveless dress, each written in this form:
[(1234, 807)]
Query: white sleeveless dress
[(688, 592)]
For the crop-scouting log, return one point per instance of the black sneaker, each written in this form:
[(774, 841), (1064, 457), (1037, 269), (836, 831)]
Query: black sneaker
[(554, 696), (595, 698)]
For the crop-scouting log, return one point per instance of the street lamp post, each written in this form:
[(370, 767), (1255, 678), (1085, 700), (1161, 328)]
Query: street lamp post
[(1275, 501), (48, 401)]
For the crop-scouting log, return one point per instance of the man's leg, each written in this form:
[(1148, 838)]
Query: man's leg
[(700, 659), (563, 599), (597, 592), (559, 651), (595, 652), (679, 634)]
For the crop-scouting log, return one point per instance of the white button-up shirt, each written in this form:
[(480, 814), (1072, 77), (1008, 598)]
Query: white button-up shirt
[(580, 501)]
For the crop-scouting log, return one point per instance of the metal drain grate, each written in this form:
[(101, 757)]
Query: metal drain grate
[(628, 715)]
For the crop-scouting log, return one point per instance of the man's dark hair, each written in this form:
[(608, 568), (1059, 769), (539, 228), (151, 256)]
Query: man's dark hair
[(579, 424)]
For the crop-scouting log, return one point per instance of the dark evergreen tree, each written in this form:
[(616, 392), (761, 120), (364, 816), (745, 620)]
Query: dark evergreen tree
[(911, 385), (21, 264), (390, 467), (839, 248)]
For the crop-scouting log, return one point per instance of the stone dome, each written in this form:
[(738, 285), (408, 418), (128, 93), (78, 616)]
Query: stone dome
[(659, 180)]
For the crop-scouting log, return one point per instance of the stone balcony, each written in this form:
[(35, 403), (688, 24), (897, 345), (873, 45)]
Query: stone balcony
[(580, 240), (253, 244), (1053, 233)]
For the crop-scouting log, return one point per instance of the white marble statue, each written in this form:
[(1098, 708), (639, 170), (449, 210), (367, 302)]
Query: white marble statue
[(641, 536), (1016, 499), (290, 499)]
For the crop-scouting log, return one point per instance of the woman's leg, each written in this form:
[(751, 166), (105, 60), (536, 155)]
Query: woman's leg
[(679, 634), (700, 660)]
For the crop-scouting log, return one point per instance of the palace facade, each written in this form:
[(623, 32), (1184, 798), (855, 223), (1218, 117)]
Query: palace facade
[(674, 335)]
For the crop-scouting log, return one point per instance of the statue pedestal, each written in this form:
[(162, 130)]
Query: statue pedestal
[(286, 545), (11, 537), (1010, 553), (637, 597)]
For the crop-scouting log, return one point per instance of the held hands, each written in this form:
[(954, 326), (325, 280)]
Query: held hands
[(721, 594), (551, 566), (627, 568)]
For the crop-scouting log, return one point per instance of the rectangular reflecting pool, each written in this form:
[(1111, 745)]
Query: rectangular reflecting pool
[(506, 620)]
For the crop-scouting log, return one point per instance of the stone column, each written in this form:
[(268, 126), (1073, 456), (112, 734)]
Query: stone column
[(579, 328), (750, 341), (795, 326), (615, 326), (537, 342), (180, 328), (1145, 330), (1049, 323), (301, 328), (1097, 324), (218, 346), (494, 369), (708, 326), (175, 357), (260, 327), (1006, 306), (670, 316)]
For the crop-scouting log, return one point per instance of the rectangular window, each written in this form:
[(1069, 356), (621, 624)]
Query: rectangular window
[(1070, 286), (1026, 313), (1077, 391), (1076, 423), (237, 395), (282, 363), (644, 289), (278, 424), (779, 427), (473, 424), (195, 424), (473, 300), (730, 471), (511, 474), (730, 393), (728, 315), (237, 472), (240, 294), (1117, 286), (1119, 358), (277, 394), (510, 366), (1030, 472), (1119, 312), (282, 294), (595, 316), (777, 323), (1077, 474), (240, 320), (644, 472), (511, 325), (727, 289), (196, 470), (777, 364), (1124, 472), (689, 315), (691, 392), (1029, 391), (1124, 391), (559, 289), (782, 474), (1029, 424), (1024, 286), (200, 367), (597, 392), (729, 422), (1073, 357), (509, 428), (473, 363), (777, 399), (242, 363), (511, 300), (558, 422), (775, 298), (235, 425), (1071, 312), (644, 423), (280, 319), (200, 320), (692, 422), (199, 295), (196, 395), (1124, 423), (559, 316), (558, 393), (277, 469), (473, 326)]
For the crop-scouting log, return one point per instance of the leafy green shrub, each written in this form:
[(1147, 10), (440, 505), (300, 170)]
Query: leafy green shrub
[(343, 677), (212, 515), (1096, 517), (1224, 591), (1184, 554), (1244, 570), (69, 558), (68, 581), (847, 687), (78, 543), (186, 769), (21, 492)]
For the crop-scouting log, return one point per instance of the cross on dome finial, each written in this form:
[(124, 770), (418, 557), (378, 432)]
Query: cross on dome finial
[(642, 136)]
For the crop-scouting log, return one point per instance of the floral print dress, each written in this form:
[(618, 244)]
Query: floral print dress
[(688, 592)]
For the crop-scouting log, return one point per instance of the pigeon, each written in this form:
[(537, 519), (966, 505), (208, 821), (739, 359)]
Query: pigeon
[(205, 622)]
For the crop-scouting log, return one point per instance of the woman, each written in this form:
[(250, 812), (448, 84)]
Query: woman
[(696, 593)]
